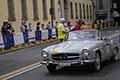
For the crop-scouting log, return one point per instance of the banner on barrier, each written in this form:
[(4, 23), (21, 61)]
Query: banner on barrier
[(53, 33), (44, 34), (38, 35), (25, 37), (31, 36), (1, 41), (18, 38)]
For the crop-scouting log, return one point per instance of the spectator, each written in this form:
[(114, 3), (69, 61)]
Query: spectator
[(24, 27), (7, 28), (38, 27), (43, 26), (116, 16), (49, 30), (85, 25), (49, 26), (78, 26), (10, 28), (29, 27), (11, 32), (4, 28), (7, 32), (56, 23), (69, 24)]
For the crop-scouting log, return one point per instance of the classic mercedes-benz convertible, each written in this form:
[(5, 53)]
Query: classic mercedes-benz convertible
[(81, 48)]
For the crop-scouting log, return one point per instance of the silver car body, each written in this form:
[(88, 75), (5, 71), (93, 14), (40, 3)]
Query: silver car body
[(78, 41)]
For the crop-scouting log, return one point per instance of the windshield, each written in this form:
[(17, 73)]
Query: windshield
[(83, 34)]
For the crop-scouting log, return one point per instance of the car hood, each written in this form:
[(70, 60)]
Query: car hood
[(72, 46)]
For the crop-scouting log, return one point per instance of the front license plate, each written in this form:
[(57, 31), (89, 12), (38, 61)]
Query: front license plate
[(65, 64)]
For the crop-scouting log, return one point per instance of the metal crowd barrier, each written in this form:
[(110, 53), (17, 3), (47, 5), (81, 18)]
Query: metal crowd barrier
[(11, 40)]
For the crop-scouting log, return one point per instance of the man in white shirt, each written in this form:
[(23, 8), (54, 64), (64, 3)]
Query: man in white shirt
[(116, 16), (23, 27)]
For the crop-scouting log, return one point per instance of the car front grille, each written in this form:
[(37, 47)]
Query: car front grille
[(65, 56)]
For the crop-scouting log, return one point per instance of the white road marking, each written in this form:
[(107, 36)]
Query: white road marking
[(20, 71)]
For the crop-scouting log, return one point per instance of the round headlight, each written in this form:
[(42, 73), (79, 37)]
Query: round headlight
[(44, 54), (85, 52)]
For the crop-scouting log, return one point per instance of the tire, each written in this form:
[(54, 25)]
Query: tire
[(115, 56), (97, 63), (51, 68)]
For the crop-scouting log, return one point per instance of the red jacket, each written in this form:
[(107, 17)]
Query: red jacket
[(77, 27)]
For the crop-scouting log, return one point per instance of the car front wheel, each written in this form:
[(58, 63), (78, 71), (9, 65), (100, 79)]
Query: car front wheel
[(115, 57), (51, 68), (97, 64)]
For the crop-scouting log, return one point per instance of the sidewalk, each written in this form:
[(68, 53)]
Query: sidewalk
[(28, 45)]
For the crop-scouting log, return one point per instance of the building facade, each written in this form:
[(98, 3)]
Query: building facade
[(103, 9), (116, 5), (32, 11)]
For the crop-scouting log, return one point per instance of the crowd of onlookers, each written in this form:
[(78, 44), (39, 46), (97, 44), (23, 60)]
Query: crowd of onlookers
[(7, 27), (29, 27), (7, 30)]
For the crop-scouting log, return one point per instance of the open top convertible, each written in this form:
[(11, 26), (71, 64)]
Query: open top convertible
[(81, 48)]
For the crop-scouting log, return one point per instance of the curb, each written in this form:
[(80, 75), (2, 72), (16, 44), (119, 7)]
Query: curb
[(28, 45)]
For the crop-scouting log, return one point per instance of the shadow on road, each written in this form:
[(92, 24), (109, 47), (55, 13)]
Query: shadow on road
[(107, 68)]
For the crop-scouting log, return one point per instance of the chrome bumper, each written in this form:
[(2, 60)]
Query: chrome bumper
[(68, 63)]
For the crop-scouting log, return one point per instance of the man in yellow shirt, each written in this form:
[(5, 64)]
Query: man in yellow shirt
[(61, 29)]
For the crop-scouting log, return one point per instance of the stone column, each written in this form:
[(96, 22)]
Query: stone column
[(30, 9), (3, 10)]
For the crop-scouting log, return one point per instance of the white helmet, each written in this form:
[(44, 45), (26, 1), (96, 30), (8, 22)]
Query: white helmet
[(62, 19)]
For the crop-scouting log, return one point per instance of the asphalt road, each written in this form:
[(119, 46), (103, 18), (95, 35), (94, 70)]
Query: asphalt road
[(28, 56), (21, 58), (110, 71)]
